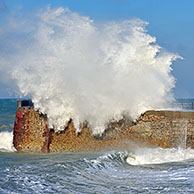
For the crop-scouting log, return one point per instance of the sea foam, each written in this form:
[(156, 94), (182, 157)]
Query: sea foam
[(143, 156), (6, 141), (74, 67)]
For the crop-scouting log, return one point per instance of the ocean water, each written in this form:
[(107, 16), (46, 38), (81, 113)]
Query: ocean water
[(142, 170)]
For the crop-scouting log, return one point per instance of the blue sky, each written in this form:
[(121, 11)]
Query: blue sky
[(171, 21)]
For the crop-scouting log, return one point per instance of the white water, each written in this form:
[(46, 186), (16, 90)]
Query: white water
[(6, 141), (144, 156), (73, 68)]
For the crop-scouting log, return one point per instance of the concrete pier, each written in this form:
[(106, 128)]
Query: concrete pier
[(153, 128)]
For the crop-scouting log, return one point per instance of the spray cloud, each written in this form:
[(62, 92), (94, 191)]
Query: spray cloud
[(73, 68)]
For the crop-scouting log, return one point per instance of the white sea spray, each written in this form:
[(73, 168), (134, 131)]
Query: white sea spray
[(6, 141), (72, 67)]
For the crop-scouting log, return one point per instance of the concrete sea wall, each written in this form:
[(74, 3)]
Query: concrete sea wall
[(153, 128)]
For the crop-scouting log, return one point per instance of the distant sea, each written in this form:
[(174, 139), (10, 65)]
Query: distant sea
[(143, 170), (187, 104)]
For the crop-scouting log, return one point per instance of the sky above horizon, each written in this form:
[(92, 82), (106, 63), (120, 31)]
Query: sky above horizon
[(171, 22)]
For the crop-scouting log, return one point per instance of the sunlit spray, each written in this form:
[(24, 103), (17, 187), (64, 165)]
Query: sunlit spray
[(73, 68)]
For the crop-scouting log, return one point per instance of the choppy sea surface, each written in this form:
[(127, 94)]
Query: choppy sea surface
[(142, 170)]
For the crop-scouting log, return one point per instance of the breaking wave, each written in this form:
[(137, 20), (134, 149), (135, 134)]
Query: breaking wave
[(6, 141), (144, 156), (72, 67), (92, 173)]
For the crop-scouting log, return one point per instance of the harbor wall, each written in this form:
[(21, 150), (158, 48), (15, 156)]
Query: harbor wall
[(165, 129)]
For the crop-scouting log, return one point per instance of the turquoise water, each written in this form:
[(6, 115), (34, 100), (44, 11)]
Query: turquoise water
[(143, 170)]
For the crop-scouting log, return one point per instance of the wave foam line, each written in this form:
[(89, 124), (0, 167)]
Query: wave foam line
[(143, 156)]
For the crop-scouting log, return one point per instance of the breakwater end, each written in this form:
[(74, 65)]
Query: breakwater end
[(165, 129)]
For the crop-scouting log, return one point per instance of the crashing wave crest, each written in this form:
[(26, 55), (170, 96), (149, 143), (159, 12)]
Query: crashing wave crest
[(72, 67)]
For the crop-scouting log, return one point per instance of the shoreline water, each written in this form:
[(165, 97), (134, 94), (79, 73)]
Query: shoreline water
[(95, 172), (102, 172)]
